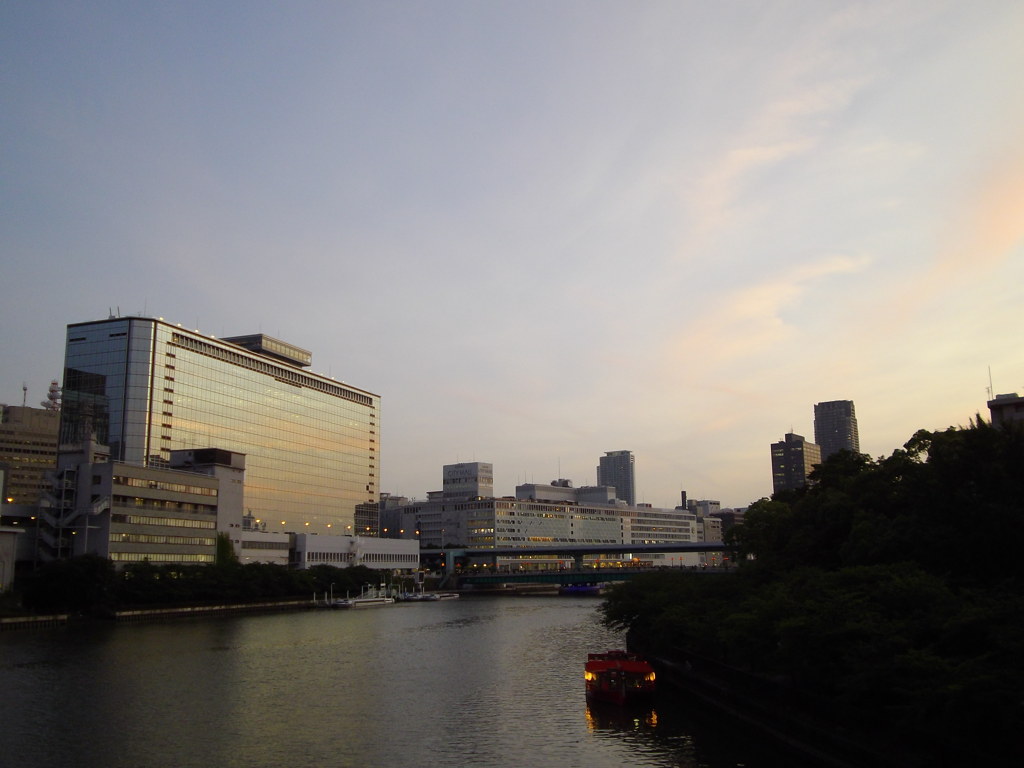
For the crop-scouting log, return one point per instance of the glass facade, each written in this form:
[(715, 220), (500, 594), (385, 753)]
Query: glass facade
[(147, 387)]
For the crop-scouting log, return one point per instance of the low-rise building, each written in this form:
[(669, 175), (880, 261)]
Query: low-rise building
[(345, 551), (265, 547), (130, 513)]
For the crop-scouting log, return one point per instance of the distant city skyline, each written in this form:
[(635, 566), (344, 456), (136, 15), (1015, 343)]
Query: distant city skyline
[(539, 232)]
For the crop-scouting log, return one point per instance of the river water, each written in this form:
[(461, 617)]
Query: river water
[(471, 682)]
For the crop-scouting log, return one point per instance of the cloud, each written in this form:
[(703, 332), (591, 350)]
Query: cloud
[(750, 320), (991, 227), (982, 232)]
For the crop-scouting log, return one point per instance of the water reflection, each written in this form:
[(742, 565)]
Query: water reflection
[(484, 682), (609, 717)]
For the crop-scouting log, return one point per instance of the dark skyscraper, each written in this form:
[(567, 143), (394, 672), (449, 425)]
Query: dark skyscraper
[(616, 469), (793, 459), (835, 427)]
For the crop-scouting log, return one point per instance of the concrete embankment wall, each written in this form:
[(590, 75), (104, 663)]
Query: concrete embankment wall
[(33, 622), (157, 614)]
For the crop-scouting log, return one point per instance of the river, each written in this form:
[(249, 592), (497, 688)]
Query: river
[(472, 682)]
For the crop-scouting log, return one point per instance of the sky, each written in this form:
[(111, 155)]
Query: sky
[(539, 230)]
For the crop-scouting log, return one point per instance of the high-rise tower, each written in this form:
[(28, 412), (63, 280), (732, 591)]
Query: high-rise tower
[(793, 459), (616, 469), (145, 387), (835, 427)]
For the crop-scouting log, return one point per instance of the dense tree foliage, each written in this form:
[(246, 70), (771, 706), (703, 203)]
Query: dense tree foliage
[(91, 585), (892, 586)]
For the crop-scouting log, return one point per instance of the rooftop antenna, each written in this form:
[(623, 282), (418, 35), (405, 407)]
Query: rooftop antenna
[(991, 391), (24, 393)]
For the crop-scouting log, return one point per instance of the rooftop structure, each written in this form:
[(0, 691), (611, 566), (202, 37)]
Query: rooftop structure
[(1006, 409), (468, 480)]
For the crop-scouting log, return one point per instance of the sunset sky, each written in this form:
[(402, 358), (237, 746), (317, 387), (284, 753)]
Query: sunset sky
[(539, 230)]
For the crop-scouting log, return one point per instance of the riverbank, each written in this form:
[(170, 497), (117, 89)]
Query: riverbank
[(137, 615), (8, 623), (155, 614), (811, 729)]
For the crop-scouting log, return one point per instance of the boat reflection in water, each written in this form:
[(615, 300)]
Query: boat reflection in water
[(602, 716)]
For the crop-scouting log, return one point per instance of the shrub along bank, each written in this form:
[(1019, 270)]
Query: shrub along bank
[(91, 586)]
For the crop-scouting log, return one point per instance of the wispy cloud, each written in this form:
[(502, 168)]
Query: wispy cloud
[(750, 320)]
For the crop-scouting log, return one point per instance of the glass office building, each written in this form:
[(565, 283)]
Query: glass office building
[(146, 387)]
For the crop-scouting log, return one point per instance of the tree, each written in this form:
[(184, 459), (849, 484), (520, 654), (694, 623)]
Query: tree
[(226, 555), (888, 586)]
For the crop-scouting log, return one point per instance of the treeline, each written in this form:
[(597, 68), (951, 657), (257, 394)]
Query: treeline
[(91, 585), (890, 590)]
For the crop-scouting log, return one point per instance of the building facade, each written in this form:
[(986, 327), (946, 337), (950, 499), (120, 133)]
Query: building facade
[(468, 480), (367, 519), (538, 516), (1006, 409), (616, 468), (262, 547), (563, 490), (28, 452), (835, 427), (130, 513), (145, 388), (793, 460), (704, 507), (346, 551)]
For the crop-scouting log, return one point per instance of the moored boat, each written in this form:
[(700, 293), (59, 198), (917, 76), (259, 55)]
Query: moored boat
[(618, 677), (363, 602), (369, 597)]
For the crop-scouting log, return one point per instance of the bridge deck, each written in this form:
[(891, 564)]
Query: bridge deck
[(568, 577)]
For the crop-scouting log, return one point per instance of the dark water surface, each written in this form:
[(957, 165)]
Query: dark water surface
[(472, 682)]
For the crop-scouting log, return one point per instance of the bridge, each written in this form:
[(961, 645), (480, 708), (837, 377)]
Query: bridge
[(578, 574), (562, 577)]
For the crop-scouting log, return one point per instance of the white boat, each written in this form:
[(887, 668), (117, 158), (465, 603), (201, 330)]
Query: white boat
[(368, 599), (441, 596), (362, 602)]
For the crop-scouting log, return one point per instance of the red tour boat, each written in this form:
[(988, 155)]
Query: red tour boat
[(618, 677)]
